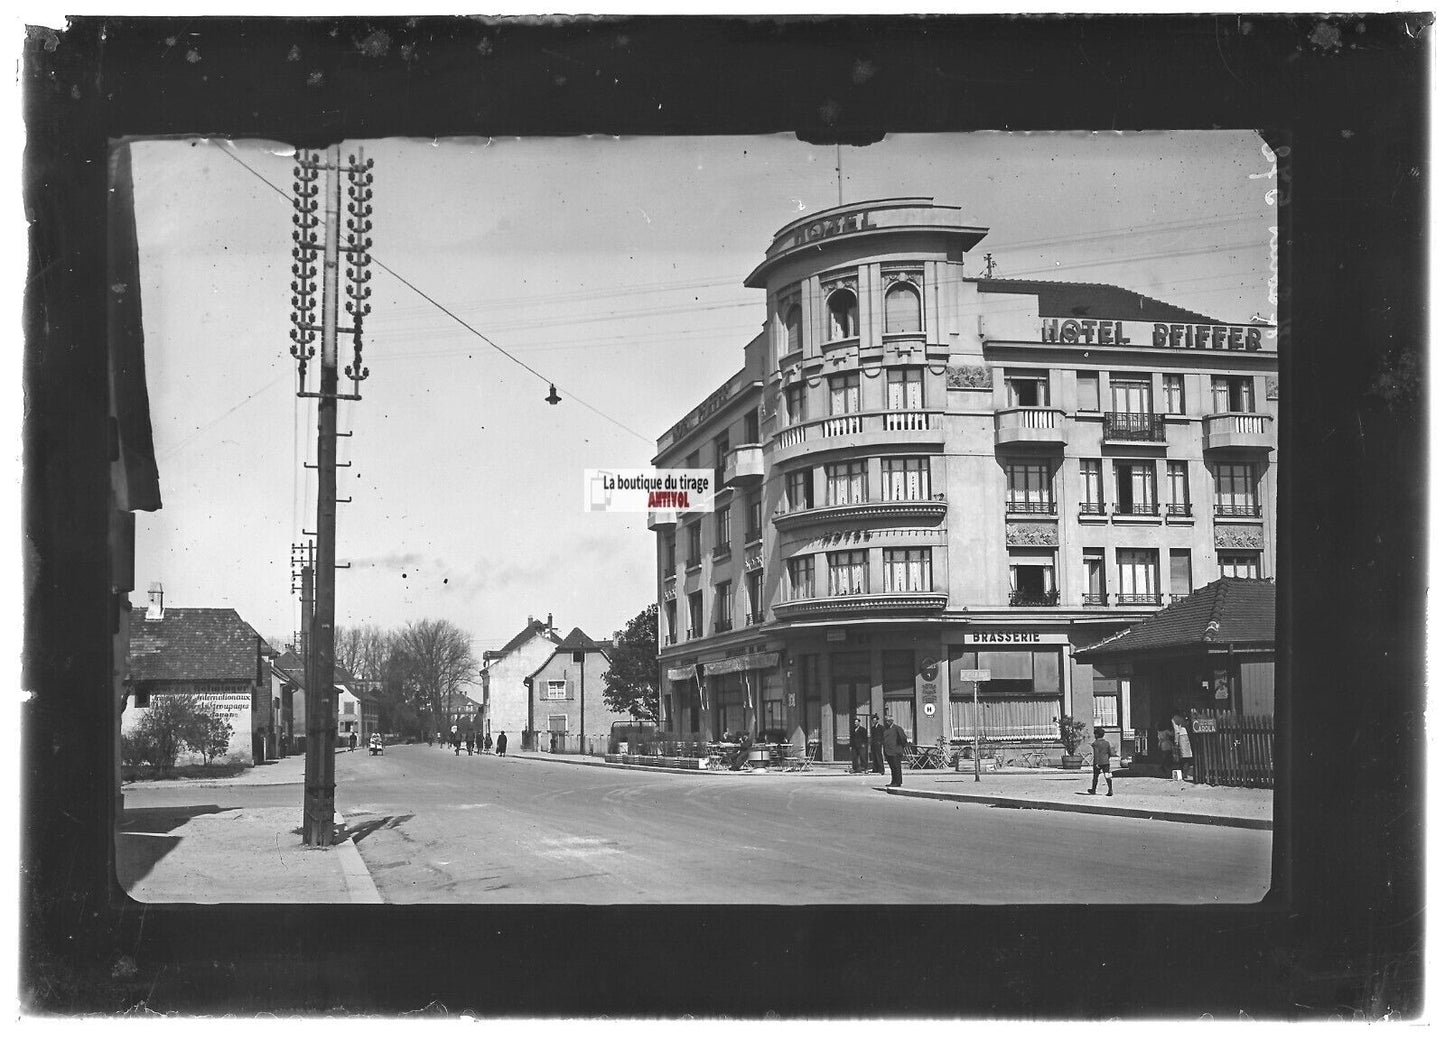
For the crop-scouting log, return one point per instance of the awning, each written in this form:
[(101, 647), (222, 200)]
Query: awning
[(679, 674), (742, 663)]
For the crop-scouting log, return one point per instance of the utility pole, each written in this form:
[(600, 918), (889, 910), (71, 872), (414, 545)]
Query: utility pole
[(303, 568), (320, 792), (988, 265)]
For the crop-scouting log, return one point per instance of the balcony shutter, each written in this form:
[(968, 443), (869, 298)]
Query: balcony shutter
[(570, 694)]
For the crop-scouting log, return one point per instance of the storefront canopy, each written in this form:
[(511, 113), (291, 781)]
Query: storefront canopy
[(742, 663)]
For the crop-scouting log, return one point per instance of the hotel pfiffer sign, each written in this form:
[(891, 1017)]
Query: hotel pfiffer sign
[(829, 226), (1095, 332)]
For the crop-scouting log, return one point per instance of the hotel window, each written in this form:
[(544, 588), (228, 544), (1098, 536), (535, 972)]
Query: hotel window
[(1091, 495), (755, 597), (794, 406), (694, 615), (843, 394), (669, 556), (1021, 700), (792, 330), (1134, 489), (902, 308), (1088, 391), (773, 713), (1174, 393), (908, 570), (1130, 396), (750, 427), (755, 518), (670, 609), (848, 573), (1027, 389), (1181, 573), (847, 483), (556, 690), (1138, 576), (1233, 393), (905, 389), (1239, 564), (1178, 488), (723, 607), (1031, 578), (723, 535), (1096, 592), (905, 479), (842, 314), (694, 544), (798, 486), (1235, 490), (1030, 487), (720, 448), (800, 577)]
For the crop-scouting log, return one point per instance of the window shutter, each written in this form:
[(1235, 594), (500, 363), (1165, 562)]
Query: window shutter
[(570, 695)]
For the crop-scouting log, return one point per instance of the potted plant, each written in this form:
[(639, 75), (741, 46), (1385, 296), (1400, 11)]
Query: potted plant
[(1071, 735)]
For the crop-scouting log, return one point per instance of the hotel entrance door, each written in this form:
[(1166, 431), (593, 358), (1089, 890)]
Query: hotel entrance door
[(851, 700)]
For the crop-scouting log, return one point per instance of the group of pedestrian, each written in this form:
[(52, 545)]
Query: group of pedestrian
[(1175, 748), (886, 741), (473, 742)]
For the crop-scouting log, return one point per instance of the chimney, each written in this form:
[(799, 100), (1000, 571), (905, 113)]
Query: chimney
[(157, 609), (530, 620), (551, 628)]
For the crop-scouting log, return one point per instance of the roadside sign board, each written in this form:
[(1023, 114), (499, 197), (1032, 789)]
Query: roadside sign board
[(1204, 725), (974, 675)]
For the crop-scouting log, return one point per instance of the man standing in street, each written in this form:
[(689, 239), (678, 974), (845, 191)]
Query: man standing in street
[(502, 743), (894, 743), (875, 746), (859, 744)]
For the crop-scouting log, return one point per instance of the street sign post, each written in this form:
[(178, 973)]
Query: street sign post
[(974, 676)]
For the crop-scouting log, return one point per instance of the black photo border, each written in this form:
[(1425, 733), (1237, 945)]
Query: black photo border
[(1343, 99)]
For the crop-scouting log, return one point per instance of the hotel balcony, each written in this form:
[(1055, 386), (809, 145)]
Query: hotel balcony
[(723, 625), (1248, 430), (905, 509), (1138, 599), (1134, 427), (864, 603), (1238, 510), (753, 617), (744, 466), (858, 429), (1030, 507), (1014, 427), (1034, 599), (662, 520)]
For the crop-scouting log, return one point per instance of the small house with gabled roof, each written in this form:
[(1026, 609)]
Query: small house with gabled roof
[(506, 702), (209, 653), (568, 712)]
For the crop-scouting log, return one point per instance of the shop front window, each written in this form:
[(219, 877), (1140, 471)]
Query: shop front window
[(1021, 700)]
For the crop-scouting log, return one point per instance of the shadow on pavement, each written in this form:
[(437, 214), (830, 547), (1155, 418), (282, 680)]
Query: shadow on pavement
[(357, 832), (143, 838)]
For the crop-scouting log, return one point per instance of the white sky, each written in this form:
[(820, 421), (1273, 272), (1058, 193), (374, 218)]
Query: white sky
[(612, 266)]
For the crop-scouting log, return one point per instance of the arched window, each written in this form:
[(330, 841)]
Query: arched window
[(793, 330), (902, 309), (842, 314)]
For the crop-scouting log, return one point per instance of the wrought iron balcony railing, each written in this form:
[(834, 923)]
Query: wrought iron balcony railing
[(1015, 505), (1178, 509), (725, 624), (1096, 599), (1091, 509), (693, 633), (753, 534), (1138, 599), (1133, 426), (753, 617), (1245, 509), (719, 551), (1034, 599), (694, 561), (1136, 509), (669, 640)]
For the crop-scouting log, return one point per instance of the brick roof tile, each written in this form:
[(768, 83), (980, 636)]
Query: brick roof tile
[(1229, 610), (194, 644)]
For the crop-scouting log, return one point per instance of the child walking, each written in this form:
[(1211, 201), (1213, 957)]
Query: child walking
[(1102, 753)]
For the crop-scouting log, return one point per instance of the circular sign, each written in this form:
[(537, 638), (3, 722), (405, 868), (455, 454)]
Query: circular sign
[(929, 669), (928, 709)]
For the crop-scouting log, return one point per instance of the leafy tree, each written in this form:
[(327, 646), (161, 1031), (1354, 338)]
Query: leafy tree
[(168, 727), (632, 679), (210, 735)]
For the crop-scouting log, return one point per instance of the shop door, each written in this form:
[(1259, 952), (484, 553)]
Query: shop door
[(852, 699)]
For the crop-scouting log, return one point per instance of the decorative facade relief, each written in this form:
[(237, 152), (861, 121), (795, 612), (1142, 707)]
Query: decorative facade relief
[(969, 377), (912, 276), (1236, 537), (753, 561), (1032, 534), (1271, 388), (847, 281)]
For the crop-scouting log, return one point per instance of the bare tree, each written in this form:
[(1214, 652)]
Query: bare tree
[(438, 660), (363, 650)]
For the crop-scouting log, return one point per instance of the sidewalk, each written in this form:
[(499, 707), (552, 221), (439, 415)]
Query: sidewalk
[(207, 852), (1141, 797)]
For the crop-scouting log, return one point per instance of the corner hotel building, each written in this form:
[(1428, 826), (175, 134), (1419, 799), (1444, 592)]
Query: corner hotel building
[(925, 472)]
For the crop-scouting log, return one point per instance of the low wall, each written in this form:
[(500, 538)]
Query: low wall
[(665, 761)]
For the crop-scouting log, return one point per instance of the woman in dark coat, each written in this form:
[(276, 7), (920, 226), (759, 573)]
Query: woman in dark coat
[(502, 743)]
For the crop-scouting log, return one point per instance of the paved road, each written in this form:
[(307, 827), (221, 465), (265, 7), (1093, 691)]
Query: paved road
[(434, 828)]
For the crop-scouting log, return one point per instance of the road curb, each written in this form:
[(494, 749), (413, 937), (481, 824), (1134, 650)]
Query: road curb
[(1093, 808), (359, 884), (669, 769)]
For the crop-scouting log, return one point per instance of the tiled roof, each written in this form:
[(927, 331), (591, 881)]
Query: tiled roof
[(534, 628), (1095, 300), (577, 640), (199, 644), (1230, 610)]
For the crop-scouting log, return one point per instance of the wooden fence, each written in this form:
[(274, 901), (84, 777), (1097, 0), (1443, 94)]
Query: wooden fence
[(1232, 749)]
